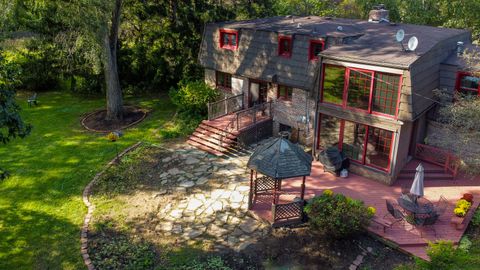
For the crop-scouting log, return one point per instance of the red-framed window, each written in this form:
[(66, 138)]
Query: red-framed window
[(284, 92), (224, 81), (285, 46), (468, 84), (228, 39), (363, 144), (316, 46), (358, 89)]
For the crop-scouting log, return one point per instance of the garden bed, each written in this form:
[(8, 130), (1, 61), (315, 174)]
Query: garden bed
[(96, 121)]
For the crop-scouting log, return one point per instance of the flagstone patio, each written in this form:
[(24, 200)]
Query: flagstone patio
[(374, 194)]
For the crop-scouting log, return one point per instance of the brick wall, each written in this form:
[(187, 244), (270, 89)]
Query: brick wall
[(291, 112)]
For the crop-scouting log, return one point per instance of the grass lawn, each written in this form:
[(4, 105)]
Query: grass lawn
[(41, 208)]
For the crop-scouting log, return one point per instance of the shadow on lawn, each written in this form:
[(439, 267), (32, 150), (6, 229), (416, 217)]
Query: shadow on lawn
[(46, 250)]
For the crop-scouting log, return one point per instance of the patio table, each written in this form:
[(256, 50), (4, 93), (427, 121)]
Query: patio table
[(418, 206)]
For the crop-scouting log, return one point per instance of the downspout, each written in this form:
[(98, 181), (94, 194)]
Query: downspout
[(316, 98)]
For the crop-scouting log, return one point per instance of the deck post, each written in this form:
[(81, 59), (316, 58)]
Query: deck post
[(226, 105), (250, 195), (303, 189), (274, 210), (209, 111), (275, 191)]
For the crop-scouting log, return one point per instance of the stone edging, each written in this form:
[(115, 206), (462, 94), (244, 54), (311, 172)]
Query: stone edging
[(82, 122), (91, 207)]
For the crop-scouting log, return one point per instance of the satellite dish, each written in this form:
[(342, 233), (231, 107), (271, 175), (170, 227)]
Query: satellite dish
[(400, 35), (412, 43)]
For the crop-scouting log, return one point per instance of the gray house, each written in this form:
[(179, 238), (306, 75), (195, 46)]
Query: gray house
[(340, 83)]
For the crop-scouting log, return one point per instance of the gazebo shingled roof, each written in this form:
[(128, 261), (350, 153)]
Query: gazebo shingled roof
[(280, 159)]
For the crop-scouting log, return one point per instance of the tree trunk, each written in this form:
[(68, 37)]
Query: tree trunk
[(114, 92)]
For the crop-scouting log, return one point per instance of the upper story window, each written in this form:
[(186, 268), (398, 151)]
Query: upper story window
[(284, 92), (224, 81), (285, 46), (228, 39), (365, 90), (316, 46), (468, 84)]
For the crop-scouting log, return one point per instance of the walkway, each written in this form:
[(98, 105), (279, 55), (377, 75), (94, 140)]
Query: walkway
[(374, 194)]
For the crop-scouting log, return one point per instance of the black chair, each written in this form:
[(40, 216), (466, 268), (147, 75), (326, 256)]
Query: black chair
[(394, 212), (441, 206), (427, 221)]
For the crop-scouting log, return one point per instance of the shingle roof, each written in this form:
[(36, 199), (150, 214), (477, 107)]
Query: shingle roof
[(378, 45), (280, 159)]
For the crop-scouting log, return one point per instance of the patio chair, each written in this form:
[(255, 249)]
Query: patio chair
[(428, 221), (441, 206), (394, 212)]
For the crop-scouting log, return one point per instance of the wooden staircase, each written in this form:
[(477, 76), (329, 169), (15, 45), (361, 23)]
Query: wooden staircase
[(431, 172), (219, 135), (213, 139)]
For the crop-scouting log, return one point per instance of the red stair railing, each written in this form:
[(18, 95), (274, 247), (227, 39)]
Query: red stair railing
[(437, 156)]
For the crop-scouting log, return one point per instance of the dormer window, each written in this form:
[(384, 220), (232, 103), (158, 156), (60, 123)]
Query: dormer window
[(285, 46), (316, 46), (228, 39)]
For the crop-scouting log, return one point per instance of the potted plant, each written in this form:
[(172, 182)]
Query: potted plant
[(461, 209)]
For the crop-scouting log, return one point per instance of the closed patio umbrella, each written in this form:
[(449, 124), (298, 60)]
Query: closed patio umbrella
[(417, 185)]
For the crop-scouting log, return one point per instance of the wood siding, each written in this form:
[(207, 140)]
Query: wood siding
[(425, 73), (257, 58)]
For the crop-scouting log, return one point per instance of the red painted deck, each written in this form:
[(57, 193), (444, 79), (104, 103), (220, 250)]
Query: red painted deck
[(244, 121), (374, 194)]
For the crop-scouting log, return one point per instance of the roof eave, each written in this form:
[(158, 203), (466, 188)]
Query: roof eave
[(360, 61)]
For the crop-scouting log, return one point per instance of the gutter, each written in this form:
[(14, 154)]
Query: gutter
[(356, 60)]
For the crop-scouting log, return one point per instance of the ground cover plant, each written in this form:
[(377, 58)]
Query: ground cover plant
[(41, 208)]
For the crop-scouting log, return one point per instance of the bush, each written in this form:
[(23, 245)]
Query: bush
[(211, 263), (192, 97), (338, 215), (120, 252)]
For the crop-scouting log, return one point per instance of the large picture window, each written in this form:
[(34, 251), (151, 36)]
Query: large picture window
[(362, 144), (369, 91), (333, 84), (329, 131), (467, 84), (358, 92)]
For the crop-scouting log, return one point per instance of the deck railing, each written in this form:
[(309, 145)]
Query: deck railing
[(440, 157), (287, 213), (225, 106), (251, 116)]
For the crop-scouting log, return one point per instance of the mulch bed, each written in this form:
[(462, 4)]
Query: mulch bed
[(96, 122)]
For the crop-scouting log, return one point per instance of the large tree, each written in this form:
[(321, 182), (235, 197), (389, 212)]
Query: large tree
[(80, 29), (11, 124)]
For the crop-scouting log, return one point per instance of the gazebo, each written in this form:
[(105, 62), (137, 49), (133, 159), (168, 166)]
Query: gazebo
[(276, 160)]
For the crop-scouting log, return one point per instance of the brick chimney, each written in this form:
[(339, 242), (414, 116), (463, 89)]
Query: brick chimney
[(378, 14)]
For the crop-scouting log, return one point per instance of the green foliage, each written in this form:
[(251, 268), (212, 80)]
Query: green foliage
[(193, 97), (337, 216), (11, 125), (210, 263), (181, 125), (49, 170), (476, 218), (120, 252)]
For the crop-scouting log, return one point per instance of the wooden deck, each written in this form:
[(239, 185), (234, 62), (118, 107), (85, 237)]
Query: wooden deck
[(374, 194)]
